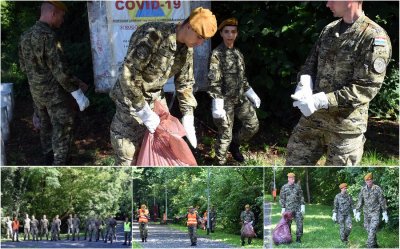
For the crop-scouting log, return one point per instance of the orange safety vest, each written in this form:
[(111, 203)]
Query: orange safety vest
[(192, 220), (142, 216)]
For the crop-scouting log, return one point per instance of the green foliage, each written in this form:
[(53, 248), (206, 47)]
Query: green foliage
[(230, 190), (63, 191)]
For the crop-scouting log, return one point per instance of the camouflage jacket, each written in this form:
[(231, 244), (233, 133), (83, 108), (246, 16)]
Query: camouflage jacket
[(227, 74), (291, 197), (343, 204), (76, 222), (34, 223), (41, 58), (350, 69), (247, 216), (372, 199), (154, 56), (44, 223)]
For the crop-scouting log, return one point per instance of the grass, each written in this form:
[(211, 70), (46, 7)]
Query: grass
[(319, 231), (219, 236), (136, 245), (372, 157)]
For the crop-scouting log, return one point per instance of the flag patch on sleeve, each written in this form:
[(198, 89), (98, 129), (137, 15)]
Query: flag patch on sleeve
[(380, 41)]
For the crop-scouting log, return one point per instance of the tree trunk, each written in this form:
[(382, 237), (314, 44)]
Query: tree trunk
[(307, 187)]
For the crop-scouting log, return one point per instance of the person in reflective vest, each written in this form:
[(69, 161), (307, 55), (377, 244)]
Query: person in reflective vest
[(192, 221), (144, 217), (127, 231)]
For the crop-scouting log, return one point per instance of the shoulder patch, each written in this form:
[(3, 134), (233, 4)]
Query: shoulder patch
[(379, 65), (380, 41)]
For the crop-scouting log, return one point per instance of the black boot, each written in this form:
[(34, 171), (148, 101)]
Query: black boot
[(298, 239), (145, 239), (235, 151), (249, 241), (243, 243), (142, 239)]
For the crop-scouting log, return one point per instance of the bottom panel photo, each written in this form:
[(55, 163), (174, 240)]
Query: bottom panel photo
[(327, 207), (49, 207), (198, 207)]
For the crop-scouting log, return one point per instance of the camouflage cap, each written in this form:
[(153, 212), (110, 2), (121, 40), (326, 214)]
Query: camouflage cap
[(291, 174), (343, 185), (228, 22), (59, 4), (203, 22), (368, 176)]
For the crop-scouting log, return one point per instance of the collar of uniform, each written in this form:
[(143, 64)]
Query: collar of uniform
[(225, 47), (351, 29), (43, 24)]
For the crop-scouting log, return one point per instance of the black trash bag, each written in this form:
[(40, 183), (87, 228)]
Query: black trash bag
[(282, 233)]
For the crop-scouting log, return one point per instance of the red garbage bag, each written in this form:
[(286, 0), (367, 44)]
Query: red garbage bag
[(248, 231), (165, 147), (282, 233)]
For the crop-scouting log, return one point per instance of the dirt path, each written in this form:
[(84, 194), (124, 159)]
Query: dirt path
[(162, 236)]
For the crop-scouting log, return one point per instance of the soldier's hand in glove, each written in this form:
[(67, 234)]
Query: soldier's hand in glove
[(81, 99), (283, 210), (218, 111), (385, 217), (357, 216), (254, 99), (188, 123), (303, 209), (150, 119), (303, 88), (312, 103), (334, 217)]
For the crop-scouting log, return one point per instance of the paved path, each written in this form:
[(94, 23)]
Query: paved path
[(162, 236), (267, 225), (68, 243)]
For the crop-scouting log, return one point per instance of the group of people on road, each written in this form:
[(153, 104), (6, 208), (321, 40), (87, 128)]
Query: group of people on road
[(370, 199), (341, 75)]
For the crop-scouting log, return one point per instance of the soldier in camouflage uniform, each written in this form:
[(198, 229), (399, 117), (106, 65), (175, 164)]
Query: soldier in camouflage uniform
[(373, 202), (246, 216), (231, 95), (342, 206), (70, 226), (76, 222), (44, 227), (34, 228), (292, 200), (347, 66), (27, 226), (50, 81), (156, 52)]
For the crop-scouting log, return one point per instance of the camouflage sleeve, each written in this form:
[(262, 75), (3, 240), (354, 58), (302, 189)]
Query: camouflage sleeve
[(56, 62), (136, 60), (242, 216), (184, 81), (335, 205), (215, 77), (310, 66), (246, 85), (21, 59), (282, 197), (382, 200), (360, 201), (369, 73)]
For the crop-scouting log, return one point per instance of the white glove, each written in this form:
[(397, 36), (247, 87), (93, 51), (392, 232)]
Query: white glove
[(283, 210), (312, 103), (334, 217), (354, 212), (252, 96), (36, 121), (357, 216), (218, 111), (304, 88), (303, 209), (81, 99), (188, 123), (385, 217), (150, 119)]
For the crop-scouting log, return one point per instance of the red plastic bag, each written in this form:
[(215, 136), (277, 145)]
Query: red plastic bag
[(165, 147), (248, 231), (282, 233)]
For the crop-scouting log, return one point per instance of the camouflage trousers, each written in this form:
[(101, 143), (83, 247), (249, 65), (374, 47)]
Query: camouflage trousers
[(35, 233), (126, 135), (192, 230), (246, 114), (298, 218), (44, 231), (371, 223), (143, 230), (27, 231), (344, 226), (306, 145), (56, 130)]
